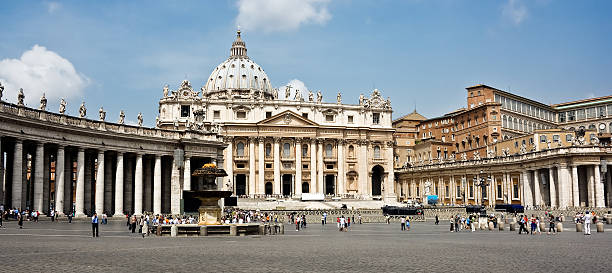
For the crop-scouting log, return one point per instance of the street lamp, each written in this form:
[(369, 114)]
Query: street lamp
[(482, 183)]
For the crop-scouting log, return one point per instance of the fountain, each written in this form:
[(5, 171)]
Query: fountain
[(206, 194)]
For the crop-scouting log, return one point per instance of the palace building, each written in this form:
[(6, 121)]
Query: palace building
[(503, 148), (286, 143)]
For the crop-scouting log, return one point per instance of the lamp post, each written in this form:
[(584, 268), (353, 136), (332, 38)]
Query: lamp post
[(481, 182)]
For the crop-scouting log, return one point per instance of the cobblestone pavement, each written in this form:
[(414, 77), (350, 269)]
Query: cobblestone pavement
[(63, 247)]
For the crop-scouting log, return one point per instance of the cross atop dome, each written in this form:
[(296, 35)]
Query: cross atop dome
[(239, 49)]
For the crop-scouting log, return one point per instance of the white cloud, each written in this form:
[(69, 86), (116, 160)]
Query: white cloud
[(52, 6), (281, 15), (296, 85), (40, 70), (515, 11)]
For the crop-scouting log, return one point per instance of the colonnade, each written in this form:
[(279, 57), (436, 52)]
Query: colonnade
[(68, 178)]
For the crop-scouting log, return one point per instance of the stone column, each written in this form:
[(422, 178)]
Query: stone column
[(148, 184), (492, 191), (590, 186), (46, 182), (320, 182), (527, 199), (252, 178), (2, 171), (277, 180), (261, 163), (313, 166), (298, 167), (138, 185), (187, 174), (563, 189), (341, 173), (609, 183), (536, 188), (99, 190), (38, 177), (599, 188), (119, 186), (59, 180), (80, 184), (229, 162), (575, 190), (175, 188), (389, 180), (453, 189), (553, 189), (108, 185), (157, 185), (17, 183)]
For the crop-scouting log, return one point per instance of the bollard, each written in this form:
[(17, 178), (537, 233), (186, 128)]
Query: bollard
[(262, 230), (578, 227), (600, 226), (609, 219), (500, 226), (158, 232), (543, 227), (491, 226), (282, 229), (173, 231), (203, 231), (513, 226), (233, 230), (559, 227)]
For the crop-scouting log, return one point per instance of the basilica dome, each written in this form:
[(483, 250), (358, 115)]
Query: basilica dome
[(238, 72)]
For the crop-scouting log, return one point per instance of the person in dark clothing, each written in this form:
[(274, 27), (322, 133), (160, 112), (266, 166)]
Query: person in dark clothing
[(94, 225), (437, 220), (20, 218)]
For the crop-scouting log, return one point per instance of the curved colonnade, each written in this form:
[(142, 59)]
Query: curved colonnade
[(57, 162)]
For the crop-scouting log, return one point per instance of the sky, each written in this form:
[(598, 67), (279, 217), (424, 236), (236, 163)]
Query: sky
[(420, 53)]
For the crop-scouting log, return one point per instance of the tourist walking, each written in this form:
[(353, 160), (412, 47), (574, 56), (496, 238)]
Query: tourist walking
[(20, 220), (133, 223), (437, 220), (94, 225), (551, 225), (70, 214), (403, 223), (52, 216), (407, 223), (587, 223), (145, 228)]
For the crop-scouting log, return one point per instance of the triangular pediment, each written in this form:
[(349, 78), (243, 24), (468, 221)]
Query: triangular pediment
[(287, 118)]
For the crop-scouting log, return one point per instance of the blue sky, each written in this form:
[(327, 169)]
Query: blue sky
[(119, 54)]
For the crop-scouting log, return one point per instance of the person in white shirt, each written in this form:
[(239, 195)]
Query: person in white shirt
[(587, 223)]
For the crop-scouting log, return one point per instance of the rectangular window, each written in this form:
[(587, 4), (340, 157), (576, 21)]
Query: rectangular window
[(350, 119), (609, 109), (601, 111), (471, 191), (329, 166), (446, 191), (556, 138), (305, 115), (216, 114), (458, 191), (185, 111), (305, 166), (483, 193), (562, 117), (268, 114), (591, 112), (241, 115), (581, 115), (329, 118), (515, 192), (499, 191), (268, 166), (376, 118), (571, 115), (568, 137), (286, 165)]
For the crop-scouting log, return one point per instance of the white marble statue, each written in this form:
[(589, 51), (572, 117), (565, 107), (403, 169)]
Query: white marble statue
[(310, 96), (427, 190), (82, 110), (463, 157), (139, 119), (361, 99), (62, 108), (43, 103), (102, 113), (287, 92), (476, 155), (319, 96), (121, 117), (275, 93), (339, 98), (298, 95), (1, 90), (165, 91), (20, 97)]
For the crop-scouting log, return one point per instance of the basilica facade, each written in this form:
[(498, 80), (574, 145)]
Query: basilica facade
[(286, 143)]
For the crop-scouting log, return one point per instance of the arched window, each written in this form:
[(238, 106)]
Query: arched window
[(268, 149), (351, 152), (592, 127), (504, 122), (305, 150), (240, 149), (376, 151), (328, 150), (286, 149)]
